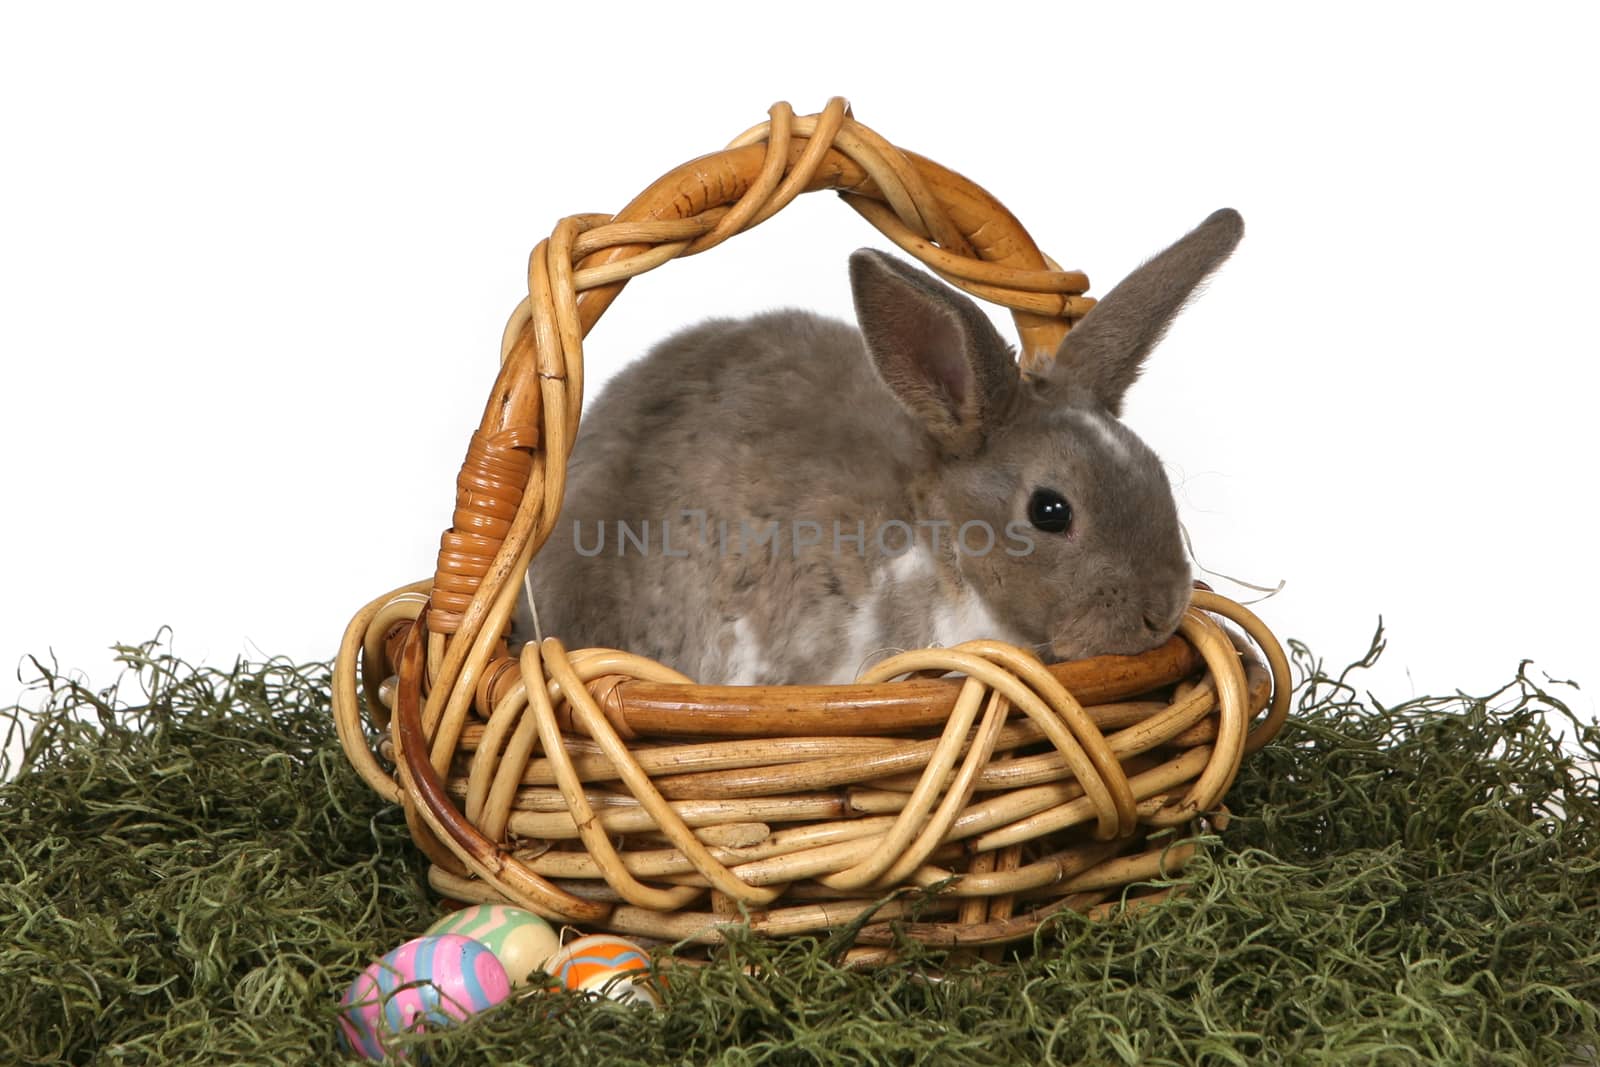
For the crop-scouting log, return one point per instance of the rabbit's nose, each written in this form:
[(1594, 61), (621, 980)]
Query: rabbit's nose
[(1163, 622)]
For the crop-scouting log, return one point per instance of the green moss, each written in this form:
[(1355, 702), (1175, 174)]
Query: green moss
[(193, 874)]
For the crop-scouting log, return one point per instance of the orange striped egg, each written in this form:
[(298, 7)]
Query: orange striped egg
[(586, 958), (629, 987)]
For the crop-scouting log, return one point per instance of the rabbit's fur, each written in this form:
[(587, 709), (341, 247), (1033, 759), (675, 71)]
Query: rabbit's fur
[(919, 418)]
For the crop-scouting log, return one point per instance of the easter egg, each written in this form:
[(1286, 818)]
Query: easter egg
[(520, 940), (583, 959), (428, 981), (628, 987)]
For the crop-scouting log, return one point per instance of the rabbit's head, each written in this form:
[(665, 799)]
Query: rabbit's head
[(1071, 536)]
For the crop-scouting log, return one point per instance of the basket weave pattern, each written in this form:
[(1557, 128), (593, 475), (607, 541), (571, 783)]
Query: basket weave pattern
[(598, 787)]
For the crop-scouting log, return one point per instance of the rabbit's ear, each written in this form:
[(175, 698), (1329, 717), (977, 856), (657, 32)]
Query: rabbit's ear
[(938, 353), (1104, 353)]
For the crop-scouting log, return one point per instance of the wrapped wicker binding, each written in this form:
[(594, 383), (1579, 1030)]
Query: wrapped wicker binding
[(600, 788)]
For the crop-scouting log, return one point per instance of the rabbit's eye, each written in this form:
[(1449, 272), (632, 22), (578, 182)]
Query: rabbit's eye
[(1049, 511)]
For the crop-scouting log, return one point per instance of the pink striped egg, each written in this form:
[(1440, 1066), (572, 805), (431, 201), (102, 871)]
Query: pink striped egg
[(428, 981), (520, 940)]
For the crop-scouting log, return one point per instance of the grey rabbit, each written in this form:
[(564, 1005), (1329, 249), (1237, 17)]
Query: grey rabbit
[(779, 499)]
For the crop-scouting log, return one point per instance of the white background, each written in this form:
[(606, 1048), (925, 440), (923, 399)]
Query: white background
[(254, 266)]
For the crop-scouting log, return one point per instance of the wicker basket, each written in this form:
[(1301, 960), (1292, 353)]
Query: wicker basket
[(615, 794)]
